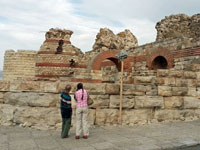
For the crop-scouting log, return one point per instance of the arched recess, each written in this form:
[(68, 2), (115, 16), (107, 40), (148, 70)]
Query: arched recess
[(160, 59), (159, 63), (95, 63)]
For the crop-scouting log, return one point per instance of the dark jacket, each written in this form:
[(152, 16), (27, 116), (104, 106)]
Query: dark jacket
[(65, 105)]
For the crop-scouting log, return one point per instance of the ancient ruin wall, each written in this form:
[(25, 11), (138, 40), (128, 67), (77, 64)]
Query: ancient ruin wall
[(19, 65), (55, 54), (177, 26), (166, 95)]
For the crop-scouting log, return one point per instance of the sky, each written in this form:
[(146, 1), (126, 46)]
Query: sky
[(23, 23)]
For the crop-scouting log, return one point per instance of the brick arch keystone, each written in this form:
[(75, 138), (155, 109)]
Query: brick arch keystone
[(161, 52)]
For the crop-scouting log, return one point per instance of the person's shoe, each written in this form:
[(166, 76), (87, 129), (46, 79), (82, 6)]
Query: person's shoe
[(85, 137), (77, 137), (65, 137)]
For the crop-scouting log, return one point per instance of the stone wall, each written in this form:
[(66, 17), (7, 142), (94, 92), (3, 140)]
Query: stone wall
[(165, 95), (181, 54), (19, 65)]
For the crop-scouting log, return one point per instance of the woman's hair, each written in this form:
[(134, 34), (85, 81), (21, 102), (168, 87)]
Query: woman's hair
[(79, 87)]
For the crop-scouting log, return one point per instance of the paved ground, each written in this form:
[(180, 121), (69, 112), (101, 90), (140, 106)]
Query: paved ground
[(147, 137)]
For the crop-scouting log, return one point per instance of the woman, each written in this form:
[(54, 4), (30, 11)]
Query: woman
[(81, 97), (66, 111)]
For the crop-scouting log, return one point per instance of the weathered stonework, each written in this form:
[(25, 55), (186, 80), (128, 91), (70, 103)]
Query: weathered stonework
[(106, 40), (161, 79), (178, 25), (19, 65)]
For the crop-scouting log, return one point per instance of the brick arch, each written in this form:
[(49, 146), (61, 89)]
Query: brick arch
[(95, 63), (160, 52), (110, 55)]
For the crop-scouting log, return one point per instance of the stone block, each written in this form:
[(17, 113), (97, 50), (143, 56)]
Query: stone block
[(162, 72), (197, 83), (165, 81), (50, 87), (31, 99), (134, 116), (6, 114), (4, 85), (181, 82), (198, 75), (160, 81), (179, 91), (195, 67), (198, 92), (167, 115), (1, 97), (191, 102), (192, 91), (107, 116), (91, 116), (197, 113), (190, 75), (128, 89), (173, 102), (188, 115), (95, 88), (192, 82), (127, 101), (100, 101), (37, 117), (164, 91), (149, 101), (176, 73), (151, 90), (136, 93), (112, 88), (140, 88), (25, 86), (143, 79)]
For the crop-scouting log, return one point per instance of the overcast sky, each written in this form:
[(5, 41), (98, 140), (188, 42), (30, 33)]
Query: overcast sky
[(23, 23)]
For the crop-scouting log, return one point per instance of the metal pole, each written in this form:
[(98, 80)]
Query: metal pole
[(121, 89)]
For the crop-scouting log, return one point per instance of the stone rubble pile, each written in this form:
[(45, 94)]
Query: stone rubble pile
[(107, 40), (177, 26)]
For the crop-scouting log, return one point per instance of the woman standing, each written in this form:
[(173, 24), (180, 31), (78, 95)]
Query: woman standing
[(81, 97), (66, 111)]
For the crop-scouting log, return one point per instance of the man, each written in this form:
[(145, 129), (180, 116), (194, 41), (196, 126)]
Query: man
[(66, 111)]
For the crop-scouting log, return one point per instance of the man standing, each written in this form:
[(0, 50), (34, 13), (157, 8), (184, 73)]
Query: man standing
[(66, 111)]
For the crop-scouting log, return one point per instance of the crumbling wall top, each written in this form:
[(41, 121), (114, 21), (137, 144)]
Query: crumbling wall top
[(58, 34), (177, 26), (107, 40)]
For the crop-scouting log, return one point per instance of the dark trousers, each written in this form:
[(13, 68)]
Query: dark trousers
[(66, 124)]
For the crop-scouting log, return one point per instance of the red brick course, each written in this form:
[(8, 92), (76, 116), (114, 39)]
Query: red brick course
[(186, 52), (86, 80), (58, 65)]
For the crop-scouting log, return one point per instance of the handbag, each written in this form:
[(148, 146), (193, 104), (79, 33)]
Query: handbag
[(89, 101)]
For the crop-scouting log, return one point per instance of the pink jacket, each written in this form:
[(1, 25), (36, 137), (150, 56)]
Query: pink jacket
[(81, 97)]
